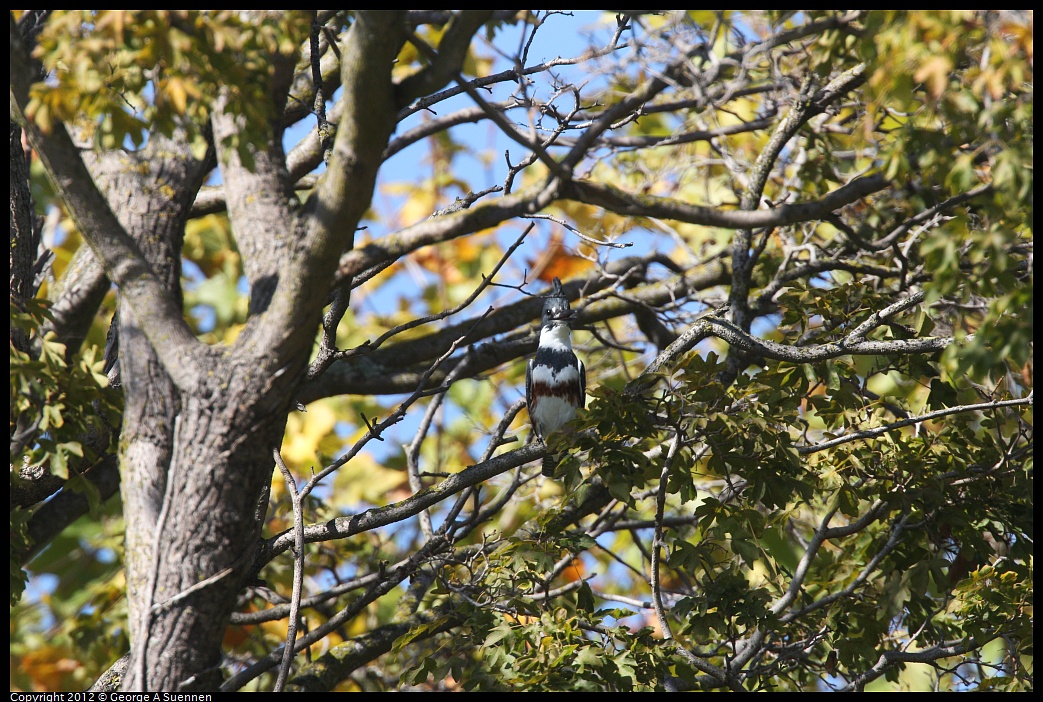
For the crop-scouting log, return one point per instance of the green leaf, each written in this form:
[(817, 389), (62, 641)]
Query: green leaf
[(585, 598)]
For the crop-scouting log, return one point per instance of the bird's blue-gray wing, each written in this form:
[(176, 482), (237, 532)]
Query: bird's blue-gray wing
[(528, 394), (582, 383)]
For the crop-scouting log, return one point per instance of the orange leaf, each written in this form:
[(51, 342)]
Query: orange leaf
[(574, 571), (556, 261)]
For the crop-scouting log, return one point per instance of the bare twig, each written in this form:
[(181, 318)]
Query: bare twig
[(492, 113), (892, 541), (390, 580), (139, 676), (870, 433), (577, 232), (377, 428), (298, 570), (368, 347), (657, 543), (413, 448), (319, 106)]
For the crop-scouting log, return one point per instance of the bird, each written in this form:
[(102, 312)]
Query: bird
[(555, 380)]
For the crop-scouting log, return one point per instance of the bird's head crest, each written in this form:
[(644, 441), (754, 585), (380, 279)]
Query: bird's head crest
[(556, 305)]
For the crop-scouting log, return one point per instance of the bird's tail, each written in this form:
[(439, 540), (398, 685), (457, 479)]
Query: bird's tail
[(550, 464)]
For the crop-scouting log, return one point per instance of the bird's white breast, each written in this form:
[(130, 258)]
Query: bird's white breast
[(552, 413), (546, 374)]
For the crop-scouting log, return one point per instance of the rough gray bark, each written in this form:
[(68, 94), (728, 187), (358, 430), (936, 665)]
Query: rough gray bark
[(154, 219), (23, 235), (199, 426)]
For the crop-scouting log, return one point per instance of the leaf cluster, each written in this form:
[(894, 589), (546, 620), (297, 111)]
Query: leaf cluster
[(121, 74)]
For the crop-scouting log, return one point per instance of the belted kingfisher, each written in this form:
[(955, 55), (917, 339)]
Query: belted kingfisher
[(555, 380)]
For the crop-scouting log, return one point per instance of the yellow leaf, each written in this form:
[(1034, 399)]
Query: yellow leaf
[(418, 207), (173, 89), (934, 74), (364, 480), (304, 431)]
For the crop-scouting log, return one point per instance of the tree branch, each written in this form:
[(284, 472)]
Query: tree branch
[(445, 64), (345, 190), (124, 263), (396, 370), (870, 433), (343, 527), (624, 203), (337, 664), (890, 659), (436, 230), (77, 296), (645, 142), (715, 326), (51, 518), (381, 588), (822, 534)]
